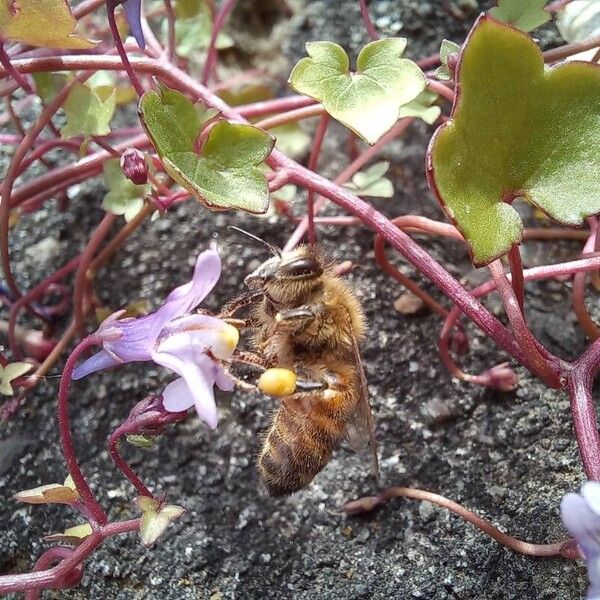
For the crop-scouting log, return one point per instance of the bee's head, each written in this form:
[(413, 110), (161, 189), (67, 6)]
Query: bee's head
[(288, 277)]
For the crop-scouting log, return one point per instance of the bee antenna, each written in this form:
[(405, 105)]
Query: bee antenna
[(274, 249)]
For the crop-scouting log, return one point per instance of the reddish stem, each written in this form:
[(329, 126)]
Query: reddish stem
[(364, 11), (586, 322), (369, 503), (20, 79), (171, 41), (82, 280), (211, 53), (133, 78), (313, 161), (516, 269), (298, 114), (68, 448)]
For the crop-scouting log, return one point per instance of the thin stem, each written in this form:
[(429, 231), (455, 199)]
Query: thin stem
[(122, 464), (547, 370), (51, 578), (268, 107), (211, 53), (171, 41), (313, 161), (298, 114), (567, 50), (133, 78), (516, 269), (364, 11), (68, 448), (369, 503), (20, 79), (82, 279), (585, 320), (441, 89)]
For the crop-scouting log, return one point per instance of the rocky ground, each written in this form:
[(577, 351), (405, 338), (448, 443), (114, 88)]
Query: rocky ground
[(509, 457)]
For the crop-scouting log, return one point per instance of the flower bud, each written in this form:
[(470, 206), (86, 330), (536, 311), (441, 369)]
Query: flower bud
[(277, 382), (134, 165)]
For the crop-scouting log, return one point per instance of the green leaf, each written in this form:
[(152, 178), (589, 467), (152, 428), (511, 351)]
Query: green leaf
[(47, 84), (227, 172), (193, 34), (423, 107), (155, 518), (42, 23), (105, 82), (368, 101), (518, 129), (124, 197), (291, 139), (87, 113), (246, 94), (371, 182), (446, 49), (523, 14), (285, 193), (140, 441), (52, 493), (72, 535), (11, 372)]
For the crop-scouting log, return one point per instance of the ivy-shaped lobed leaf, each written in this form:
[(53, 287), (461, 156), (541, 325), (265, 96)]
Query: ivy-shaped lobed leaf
[(423, 107), (517, 129), (523, 14), (369, 100), (52, 493), (228, 170), (42, 23), (11, 372), (155, 518), (124, 197), (87, 113), (371, 181), (447, 48)]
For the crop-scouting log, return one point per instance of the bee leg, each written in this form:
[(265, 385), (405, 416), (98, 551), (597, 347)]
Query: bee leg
[(301, 316), (250, 358), (238, 303)]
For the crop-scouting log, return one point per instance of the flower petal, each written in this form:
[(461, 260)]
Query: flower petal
[(133, 10), (186, 297), (583, 524), (199, 376), (196, 334), (590, 491), (223, 380), (177, 396), (97, 362)]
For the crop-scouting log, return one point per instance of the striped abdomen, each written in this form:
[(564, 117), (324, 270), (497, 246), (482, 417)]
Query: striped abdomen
[(298, 446)]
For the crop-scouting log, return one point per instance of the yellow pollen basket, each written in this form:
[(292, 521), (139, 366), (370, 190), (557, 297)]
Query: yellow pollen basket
[(277, 382)]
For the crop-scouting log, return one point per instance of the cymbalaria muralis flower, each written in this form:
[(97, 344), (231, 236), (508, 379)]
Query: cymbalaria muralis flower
[(189, 344), (581, 515)]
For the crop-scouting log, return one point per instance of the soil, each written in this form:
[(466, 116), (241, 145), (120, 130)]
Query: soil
[(508, 456)]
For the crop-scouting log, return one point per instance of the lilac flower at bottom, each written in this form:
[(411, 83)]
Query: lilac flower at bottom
[(581, 515), (173, 337)]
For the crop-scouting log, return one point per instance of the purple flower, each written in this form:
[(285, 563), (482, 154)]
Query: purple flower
[(189, 344), (133, 11), (581, 515)]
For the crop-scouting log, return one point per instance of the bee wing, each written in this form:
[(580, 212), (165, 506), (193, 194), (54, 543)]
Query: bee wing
[(359, 429)]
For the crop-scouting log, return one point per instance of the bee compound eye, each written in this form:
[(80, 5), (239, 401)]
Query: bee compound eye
[(301, 267)]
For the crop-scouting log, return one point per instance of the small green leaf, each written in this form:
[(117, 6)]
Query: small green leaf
[(105, 82), (446, 49), (72, 535), (140, 441), (155, 518), (541, 143), (87, 113), (124, 197), (291, 139), (246, 94), (423, 107), (193, 34), (371, 182), (368, 101), (42, 23), (11, 372), (227, 172), (286, 193), (523, 14), (47, 84)]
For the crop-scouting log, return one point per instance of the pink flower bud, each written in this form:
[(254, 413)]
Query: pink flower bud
[(134, 165), (501, 377)]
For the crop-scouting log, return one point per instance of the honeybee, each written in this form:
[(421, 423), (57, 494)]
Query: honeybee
[(306, 318)]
